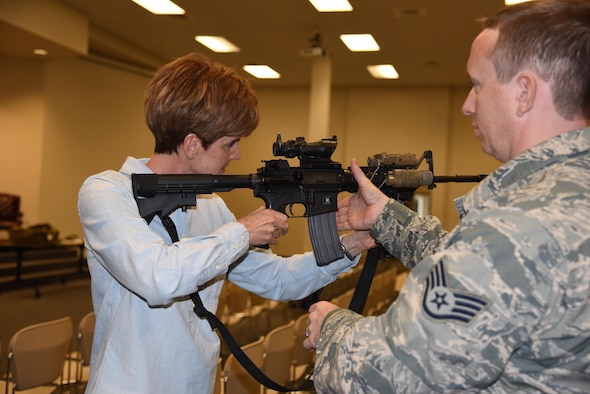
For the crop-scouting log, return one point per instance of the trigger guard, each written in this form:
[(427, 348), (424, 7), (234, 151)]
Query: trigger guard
[(289, 211)]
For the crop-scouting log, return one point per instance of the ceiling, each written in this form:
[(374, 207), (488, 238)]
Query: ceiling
[(427, 41)]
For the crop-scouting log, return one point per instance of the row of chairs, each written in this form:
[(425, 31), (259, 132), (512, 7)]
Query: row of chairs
[(384, 289), (284, 344), (235, 303), (279, 354), (40, 356)]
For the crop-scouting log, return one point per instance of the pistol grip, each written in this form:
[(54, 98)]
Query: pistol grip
[(324, 238)]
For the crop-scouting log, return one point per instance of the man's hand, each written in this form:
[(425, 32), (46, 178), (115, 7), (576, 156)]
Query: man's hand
[(265, 226), (359, 211), (317, 314)]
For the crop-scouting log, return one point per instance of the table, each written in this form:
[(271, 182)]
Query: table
[(43, 272)]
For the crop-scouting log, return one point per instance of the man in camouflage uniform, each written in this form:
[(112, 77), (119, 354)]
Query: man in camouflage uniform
[(501, 303)]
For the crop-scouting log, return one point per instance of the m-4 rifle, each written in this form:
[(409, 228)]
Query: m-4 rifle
[(315, 185)]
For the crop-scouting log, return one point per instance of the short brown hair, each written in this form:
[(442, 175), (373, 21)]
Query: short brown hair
[(552, 38), (193, 94)]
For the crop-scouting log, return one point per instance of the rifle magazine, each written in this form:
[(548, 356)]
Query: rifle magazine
[(324, 238)]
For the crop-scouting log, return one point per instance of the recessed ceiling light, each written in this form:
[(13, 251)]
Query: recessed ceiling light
[(512, 2), (261, 71), (360, 42), (40, 52), (217, 44), (383, 71), (160, 7), (331, 5)]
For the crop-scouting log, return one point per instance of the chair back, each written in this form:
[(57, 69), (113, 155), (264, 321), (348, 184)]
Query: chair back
[(85, 337), (301, 356), (218, 378), (37, 353), (279, 345), (236, 379)]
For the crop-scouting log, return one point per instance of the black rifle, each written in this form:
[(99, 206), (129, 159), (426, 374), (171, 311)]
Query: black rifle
[(315, 185)]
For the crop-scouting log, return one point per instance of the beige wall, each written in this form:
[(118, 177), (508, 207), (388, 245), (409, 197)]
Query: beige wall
[(62, 121), (22, 115)]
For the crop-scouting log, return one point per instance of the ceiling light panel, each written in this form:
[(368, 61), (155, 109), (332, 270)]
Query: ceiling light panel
[(360, 42), (331, 5), (383, 71), (512, 2), (160, 7), (217, 44), (261, 71)]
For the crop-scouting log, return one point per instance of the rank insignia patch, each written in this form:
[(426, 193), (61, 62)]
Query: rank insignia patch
[(443, 303)]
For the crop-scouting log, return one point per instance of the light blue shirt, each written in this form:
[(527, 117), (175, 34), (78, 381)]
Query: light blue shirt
[(147, 337)]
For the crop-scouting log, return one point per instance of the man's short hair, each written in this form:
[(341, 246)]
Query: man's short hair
[(551, 38)]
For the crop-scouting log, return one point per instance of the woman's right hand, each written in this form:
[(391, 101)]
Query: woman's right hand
[(265, 226)]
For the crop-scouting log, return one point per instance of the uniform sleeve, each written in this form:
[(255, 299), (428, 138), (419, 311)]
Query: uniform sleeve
[(461, 315), (405, 235)]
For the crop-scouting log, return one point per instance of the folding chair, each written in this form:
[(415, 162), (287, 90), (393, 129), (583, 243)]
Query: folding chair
[(302, 358), (85, 337), (37, 355), (279, 345), (236, 379), (218, 378)]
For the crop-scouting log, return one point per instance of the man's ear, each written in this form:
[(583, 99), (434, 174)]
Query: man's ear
[(526, 93), (191, 145)]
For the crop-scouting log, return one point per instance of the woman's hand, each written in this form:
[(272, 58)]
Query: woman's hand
[(265, 226)]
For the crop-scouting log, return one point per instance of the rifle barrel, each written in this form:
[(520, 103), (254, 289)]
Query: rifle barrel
[(458, 178)]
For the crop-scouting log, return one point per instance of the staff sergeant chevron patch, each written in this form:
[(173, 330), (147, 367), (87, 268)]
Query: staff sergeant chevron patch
[(443, 303)]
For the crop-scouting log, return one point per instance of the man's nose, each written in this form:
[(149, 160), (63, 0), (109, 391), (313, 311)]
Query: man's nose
[(468, 107)]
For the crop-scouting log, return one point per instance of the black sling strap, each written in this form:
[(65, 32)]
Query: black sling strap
[(361, 292), (356, 304)]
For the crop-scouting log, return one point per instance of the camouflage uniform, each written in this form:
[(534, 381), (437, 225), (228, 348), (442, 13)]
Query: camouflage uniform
[(500, 304)]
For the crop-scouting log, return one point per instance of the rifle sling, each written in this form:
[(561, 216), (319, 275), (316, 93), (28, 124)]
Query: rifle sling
[(357, 304), (361, 292)]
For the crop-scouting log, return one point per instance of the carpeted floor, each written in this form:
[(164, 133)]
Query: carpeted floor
[(21, 308)]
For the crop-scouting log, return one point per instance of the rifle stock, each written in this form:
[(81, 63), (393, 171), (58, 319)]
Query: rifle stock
[(315, 184)]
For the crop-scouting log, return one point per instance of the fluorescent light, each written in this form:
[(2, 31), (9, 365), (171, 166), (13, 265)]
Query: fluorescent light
[(160, 7), (331, 5), (383, 71), (261, 71), (360, 42), (217, 44), (512, 2)]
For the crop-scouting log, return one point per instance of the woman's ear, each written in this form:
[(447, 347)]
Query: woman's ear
[(191, 145)]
